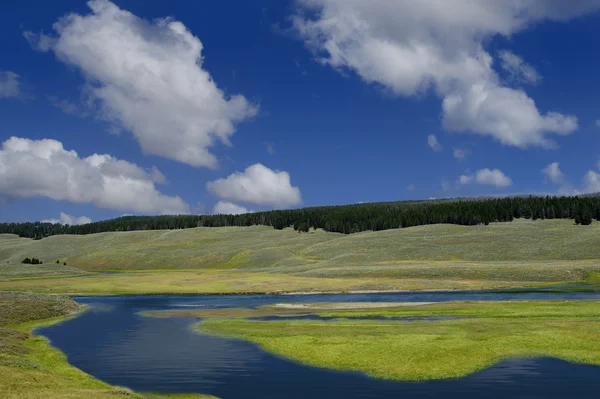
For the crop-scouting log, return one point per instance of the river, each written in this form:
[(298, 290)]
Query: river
[(114, 343)]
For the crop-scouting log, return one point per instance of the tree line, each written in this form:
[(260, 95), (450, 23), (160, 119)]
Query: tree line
[(348, 219)]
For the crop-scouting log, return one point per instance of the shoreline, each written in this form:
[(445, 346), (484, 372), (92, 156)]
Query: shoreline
[(51, 363), (287, 293), (515, 290)]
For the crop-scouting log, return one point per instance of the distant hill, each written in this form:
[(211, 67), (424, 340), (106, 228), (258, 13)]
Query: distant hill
[(521, 251), (350, 218)]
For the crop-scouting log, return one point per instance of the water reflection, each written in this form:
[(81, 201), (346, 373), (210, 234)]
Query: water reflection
[(114, 343)]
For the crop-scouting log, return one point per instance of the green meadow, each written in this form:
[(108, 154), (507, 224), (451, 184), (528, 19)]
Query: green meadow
[(259, 259), (31, 369), (484, 334)]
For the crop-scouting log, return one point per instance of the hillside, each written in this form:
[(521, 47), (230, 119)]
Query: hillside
[(524, 250)]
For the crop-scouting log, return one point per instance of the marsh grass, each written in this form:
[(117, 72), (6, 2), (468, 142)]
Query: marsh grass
[(239, 282), (31, 369), (424, 350)]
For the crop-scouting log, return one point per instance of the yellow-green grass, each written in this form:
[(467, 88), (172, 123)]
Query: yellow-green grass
[(239, 282), (423, 350), (31, 369), (522, 253), (8, 269)]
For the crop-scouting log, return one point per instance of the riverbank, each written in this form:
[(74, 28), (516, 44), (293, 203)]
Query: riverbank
[(31, 369), (219, 282), (421, 350)]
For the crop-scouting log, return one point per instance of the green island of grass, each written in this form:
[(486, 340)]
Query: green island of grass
[(31, 369), (487, 333)]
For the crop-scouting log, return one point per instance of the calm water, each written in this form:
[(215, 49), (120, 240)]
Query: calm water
[(115, 344)]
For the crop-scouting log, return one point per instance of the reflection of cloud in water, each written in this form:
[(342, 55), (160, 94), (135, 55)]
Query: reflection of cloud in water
[(186, 355)]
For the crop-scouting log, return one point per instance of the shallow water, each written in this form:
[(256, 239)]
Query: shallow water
[(114, 343), (335, 318)]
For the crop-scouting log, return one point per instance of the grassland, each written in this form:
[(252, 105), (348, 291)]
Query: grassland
[(259, 259), (423, 350), (31, 369)]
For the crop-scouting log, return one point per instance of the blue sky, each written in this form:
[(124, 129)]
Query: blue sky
[(292, 103)]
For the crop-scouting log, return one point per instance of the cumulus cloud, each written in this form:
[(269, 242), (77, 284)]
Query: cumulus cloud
[(69, 219), (433, 143), (465, 179), (518, 70), (257, 185), (411, 47), (229, 208), (591, 182), (461, 153), (554, 173), (9, 85), (43, 168), (147, 77), (488, 177)]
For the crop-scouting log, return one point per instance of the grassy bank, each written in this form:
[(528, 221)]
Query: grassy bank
[(31, 369), (237, 282), (257, 259), (422, 350)]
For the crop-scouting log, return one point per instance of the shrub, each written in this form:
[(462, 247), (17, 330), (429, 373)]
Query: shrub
[(26, 261)]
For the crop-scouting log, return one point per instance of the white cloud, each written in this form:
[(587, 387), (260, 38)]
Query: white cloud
[(554, 173), (461, 153), (148, 78), (488, 177), (228, 208), (519, 70), (591, 182), (9, 85), (598, 122), (69, 219), (465, 179), (410, 47), (411, 187), (43, 168), (257, 185), (433, 143)]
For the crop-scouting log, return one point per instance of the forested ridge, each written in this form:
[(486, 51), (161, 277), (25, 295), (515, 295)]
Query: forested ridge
[(348, 218)]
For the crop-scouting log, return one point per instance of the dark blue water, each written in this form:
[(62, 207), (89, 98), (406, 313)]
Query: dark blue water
[(115, 344)]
